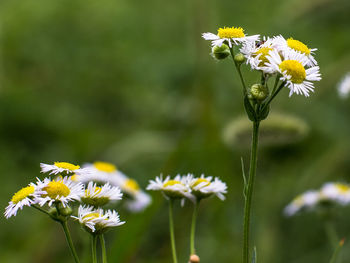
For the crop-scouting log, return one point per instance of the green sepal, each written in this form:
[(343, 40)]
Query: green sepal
[(249, 109), (264, 113)]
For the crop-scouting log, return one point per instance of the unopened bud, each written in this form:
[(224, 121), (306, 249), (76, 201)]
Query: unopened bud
[(194, 259), (239, 58), (53, 212), (67, 211), (220, 52), (258, 92)]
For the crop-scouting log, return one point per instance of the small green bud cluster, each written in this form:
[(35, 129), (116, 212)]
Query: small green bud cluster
[(258, 92), (220, 52)]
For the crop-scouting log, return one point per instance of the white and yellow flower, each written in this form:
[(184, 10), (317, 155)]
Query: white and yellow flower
[(336, 192), (203, 186), (171, 188), (256, 55), (24, 197), (294, 72), (62, 190), (102, 172), (96, 220), (344, 86), (307, 200), (230, 35), (99, 196), (61, 167), (284, 46)]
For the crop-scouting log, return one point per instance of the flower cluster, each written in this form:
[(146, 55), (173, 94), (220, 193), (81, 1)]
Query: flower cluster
[(103, 172), (330, 193), (291, 60), (189, 187)]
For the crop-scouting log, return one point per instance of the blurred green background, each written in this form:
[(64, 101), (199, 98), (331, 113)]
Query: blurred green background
[(131, 82)]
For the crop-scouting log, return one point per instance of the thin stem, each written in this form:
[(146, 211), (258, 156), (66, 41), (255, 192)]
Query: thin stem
[(69, 240), (193, 226), (171, 228), (276, 83), (93, 248), (103, 247), (336, 251), (273, 96), (238, 67), (250, 186), (331, 233)]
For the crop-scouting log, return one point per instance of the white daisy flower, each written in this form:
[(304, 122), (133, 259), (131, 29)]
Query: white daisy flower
[(96, 220), (284, 46), (205, 186), (98, 172), (230, 35), (256, 54), (24, 197), (61, 190), (307, 200), (99, 196), (337, 192), (344, 86), (171, 188), (293, 71), (61, 167)]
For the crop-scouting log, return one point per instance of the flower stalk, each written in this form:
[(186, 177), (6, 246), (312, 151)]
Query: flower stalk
[(193, 226), (103, 248), (69, 241), (171, 229)]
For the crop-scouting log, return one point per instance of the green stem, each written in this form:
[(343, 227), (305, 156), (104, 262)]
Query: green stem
[(276, 83), (331, 233), (193, 226), (238, 67), (336, 251), (171, 228), (250, 186), (273, 96), (93, 248), (69, 240), (103, 247)]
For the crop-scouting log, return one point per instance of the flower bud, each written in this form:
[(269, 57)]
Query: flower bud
[(239, 58), (221, 52), (194, 259), (66, 211), (53, 212), (258, 92)]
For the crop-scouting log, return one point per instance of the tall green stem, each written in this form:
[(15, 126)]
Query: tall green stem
[(69, 240), (249, 192), (93, 248), (103, 247), (171, 228), (193, 227), (238, 67)]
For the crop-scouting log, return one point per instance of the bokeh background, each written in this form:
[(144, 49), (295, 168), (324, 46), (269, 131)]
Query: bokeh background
[(131, 82)]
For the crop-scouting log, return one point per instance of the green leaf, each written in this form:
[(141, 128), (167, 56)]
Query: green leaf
[(264, 113), (249, 109)]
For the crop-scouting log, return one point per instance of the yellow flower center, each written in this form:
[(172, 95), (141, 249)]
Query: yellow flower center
[(96, 191), (22, 194), (132, 185), (67, 166), (342, 188), (171, 183), (54, 189), (299, 200), (91, 216), (263, 52), (298, 46), (294, 69), (105, 167), (74, 177), (200, 181), (231, 32)]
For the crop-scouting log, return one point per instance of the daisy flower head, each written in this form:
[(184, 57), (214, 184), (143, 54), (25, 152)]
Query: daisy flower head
[(61, 167), (171, 188), (98, 172), (24, 197), (285, 46), (61, 190), (336, 192), (294, 72), (256, 54), (307, 200), (344, 86), (204, 187), (97, 221), (99, 196), (230, 36)]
